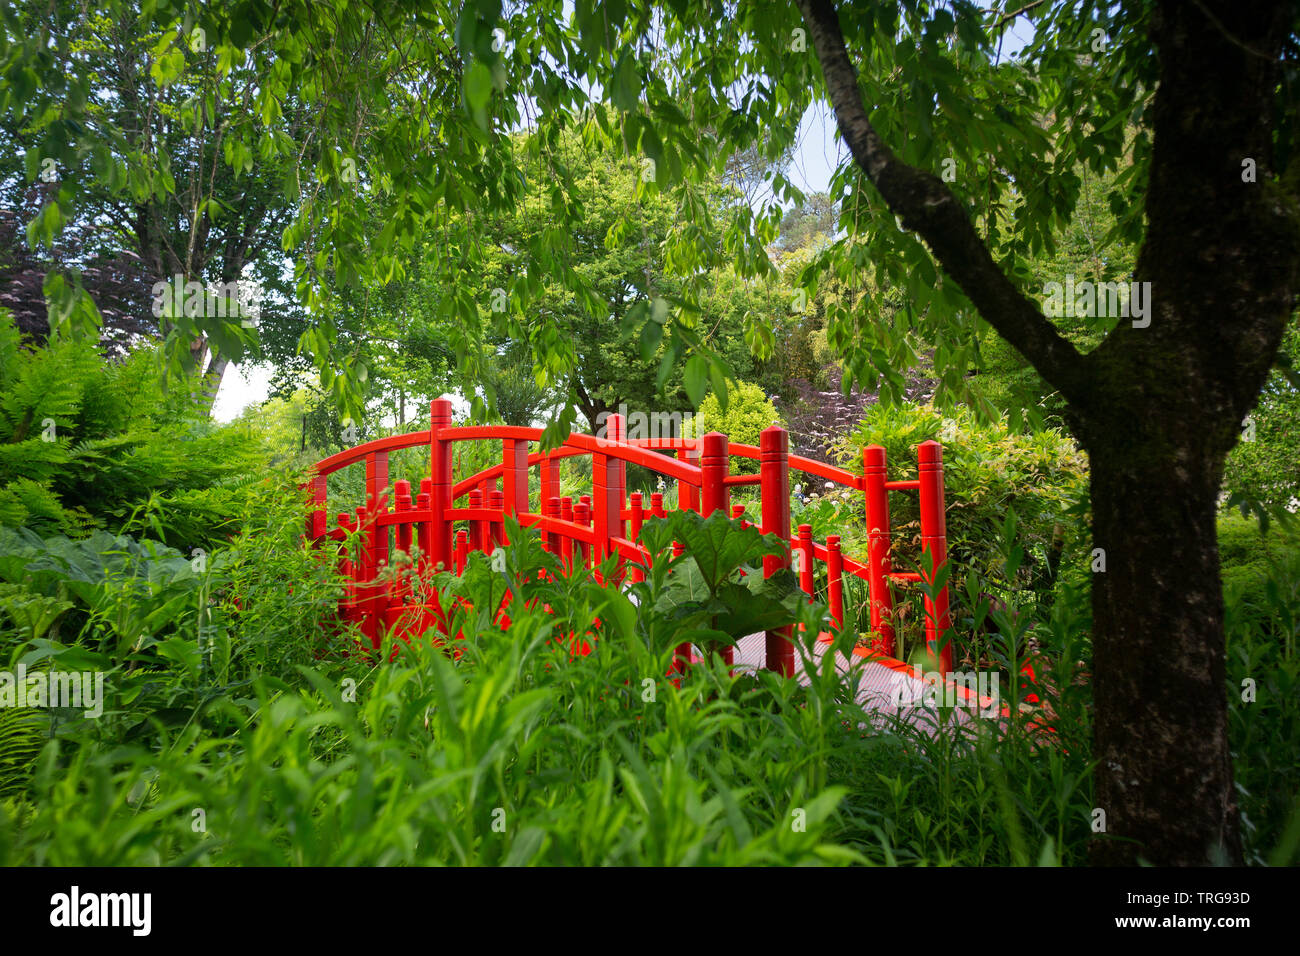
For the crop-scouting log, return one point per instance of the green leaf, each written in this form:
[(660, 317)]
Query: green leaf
[(625, 90), (478, 85), (697, 370)]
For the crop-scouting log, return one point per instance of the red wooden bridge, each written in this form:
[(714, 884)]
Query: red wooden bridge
[(608, 521)]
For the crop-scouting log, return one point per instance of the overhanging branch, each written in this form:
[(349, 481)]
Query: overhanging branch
[(926, 206)]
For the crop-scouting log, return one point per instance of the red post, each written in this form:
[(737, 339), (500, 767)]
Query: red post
[(402, 502), (439, 484), (715, 464), (638, 515), (806, 560), (566, 542), (874, 475), (549, 471), (934, 550), (497, 525), (835, 580), (774, 489), (636, 573), (476, 542), (348, 570), (657, 504), (377, 504), (424, 534), (514, 477), (607, 492), (582, 516), (402, 505), (688, 495), (461, 552), (365, 577), (552, 538), (318, 520)]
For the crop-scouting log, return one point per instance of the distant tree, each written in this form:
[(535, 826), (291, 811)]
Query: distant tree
[(816, 216)]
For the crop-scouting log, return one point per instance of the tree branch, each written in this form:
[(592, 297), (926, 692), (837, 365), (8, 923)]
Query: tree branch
[(929, 208)]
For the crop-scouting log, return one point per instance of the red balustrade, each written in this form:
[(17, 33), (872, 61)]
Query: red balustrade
[(607, 522)]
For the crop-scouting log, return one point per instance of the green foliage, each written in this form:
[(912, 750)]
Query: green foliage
[(1262, 601), (521, 751), (88, 444), (989, 472), (1088, 247), (1262, 468), (716, 593), (748, 412), (1255, 563)]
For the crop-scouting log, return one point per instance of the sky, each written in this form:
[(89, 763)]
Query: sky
[(817, 154)]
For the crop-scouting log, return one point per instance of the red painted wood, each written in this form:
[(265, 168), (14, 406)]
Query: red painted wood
[(440, 481), (608, 475), (806, 560), (477, 526), (874, 469), (714, 465), (496, 526), (550, 481), (551, 509), (582, 516), (934, 550), (835, 580), (376, 536), (514, 475), (566, 542), (598, 526), (318, 520), (402, 505), (424, 530), (688, 493), (714, 494), (635, 571), (774, 472)]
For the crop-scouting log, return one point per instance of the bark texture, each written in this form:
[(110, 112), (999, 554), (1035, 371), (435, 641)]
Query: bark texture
[(1157, 408)]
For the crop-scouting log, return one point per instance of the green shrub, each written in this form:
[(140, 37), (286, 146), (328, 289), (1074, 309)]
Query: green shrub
[(748, 412), (1252, 563), (989, 473), (1264, 467), (86, 443)]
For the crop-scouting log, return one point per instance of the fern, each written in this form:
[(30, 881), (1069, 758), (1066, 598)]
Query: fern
[(86, 444), (22, 734)]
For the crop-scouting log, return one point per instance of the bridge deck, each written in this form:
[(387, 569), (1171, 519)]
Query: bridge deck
[(881, 683)]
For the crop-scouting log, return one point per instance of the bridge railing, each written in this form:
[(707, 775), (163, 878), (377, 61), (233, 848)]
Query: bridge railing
[(608, 521)]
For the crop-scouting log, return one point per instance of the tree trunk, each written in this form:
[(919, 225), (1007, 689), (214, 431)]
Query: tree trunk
[(212, 383), (1164, 777), (1157, 405)]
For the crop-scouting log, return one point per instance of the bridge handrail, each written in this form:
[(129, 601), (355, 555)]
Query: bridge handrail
[(608, 522)]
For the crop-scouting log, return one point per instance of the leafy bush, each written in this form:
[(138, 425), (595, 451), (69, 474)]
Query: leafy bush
[(748, 412), (87, 444), (1254, 564), (989, 472), (1262, 603), (1263, 466)]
